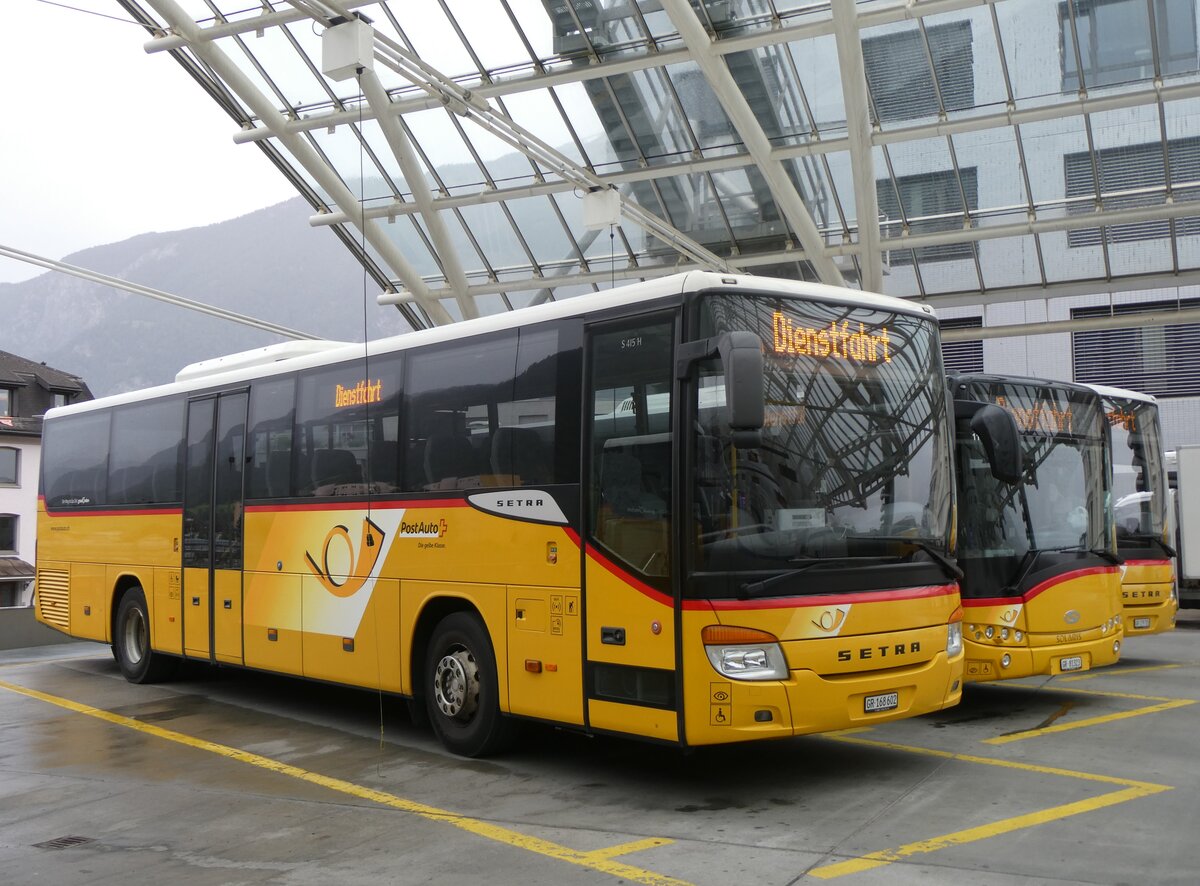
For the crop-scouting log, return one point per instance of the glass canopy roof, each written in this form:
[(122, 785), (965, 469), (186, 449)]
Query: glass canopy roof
[(471, 153)]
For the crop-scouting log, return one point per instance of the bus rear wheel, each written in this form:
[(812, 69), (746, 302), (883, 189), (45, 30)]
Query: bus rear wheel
[(462, 693), (131, 642)]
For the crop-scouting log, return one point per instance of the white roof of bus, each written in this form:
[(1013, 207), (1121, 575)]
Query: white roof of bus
[(244, 367), (1106, 391)]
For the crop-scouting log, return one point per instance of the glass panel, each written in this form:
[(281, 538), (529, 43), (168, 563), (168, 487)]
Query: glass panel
[(854, 455), (1009, 261), (146, 463), (10, 464), (631, 444), (820, 73), (8, 534), (339, 411), (197, 493), (272, 409), (1139, 474), (227, 487), (451, 412), (899, 77), (1062, 503), (75, 456)]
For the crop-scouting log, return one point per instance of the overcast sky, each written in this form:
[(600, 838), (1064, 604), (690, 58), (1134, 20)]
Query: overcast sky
[(102, 141)]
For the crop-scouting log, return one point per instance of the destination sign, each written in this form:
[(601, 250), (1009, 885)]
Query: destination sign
[(360, 394), (1041, 418), (833, 342), (1119, 417)]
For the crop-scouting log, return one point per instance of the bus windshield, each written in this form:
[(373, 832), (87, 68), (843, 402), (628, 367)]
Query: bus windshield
[(854, 466), (1139, 478), (1061, 504)]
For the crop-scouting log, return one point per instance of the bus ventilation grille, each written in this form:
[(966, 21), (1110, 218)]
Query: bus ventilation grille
[(53, 586)]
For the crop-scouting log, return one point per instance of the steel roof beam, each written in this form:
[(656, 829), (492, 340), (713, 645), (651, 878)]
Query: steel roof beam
[(1103, 218), (858, 130), (414, 176), (740, 114), (466, 104), (304, 154)]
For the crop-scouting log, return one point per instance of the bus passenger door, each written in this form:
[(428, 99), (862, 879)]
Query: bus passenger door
[(629, 606), (213, 530)]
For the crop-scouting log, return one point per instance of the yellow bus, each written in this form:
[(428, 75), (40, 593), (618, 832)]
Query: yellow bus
[(696, 510), (1140, 505), (1041, 587)]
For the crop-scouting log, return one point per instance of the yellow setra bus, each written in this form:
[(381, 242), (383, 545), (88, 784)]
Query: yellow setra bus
[(1141, 500), (1041, 587), (697, 510)]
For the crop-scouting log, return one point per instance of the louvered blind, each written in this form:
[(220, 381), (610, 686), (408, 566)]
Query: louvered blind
[(898, 75), (963, 356), (1158, 360), (1126, 168), (924, 197)]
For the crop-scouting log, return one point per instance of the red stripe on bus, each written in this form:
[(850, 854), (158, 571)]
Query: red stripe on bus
[(361, 504), (917, 593), (1147, 562), (1040, 588), (633, 582)]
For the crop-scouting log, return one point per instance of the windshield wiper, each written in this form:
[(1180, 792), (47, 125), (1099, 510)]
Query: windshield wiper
[(1167, 549), (937, 556), (754, 588), (1114, 559)]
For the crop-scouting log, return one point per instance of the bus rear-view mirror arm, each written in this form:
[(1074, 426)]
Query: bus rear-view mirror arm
[(997, 431), (741, 356)]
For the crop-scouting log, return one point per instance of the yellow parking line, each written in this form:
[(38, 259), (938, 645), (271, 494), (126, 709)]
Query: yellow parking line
[(594, 860), (1132, 790), (970, 835), (1118, 672), (1090, 721), (626, 848)]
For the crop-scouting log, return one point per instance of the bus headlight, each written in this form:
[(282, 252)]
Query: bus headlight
[(744, 653), (953, 639)]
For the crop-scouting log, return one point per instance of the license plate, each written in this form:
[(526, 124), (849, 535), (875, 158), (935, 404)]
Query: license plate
[(1140, 624), (885, 701), (1071, 663)]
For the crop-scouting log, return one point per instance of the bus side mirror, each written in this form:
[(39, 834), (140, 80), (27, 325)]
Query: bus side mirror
[(997, 431), (741, 355)]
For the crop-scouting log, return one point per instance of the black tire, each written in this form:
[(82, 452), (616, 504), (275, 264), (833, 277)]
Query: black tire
[(131, 642), (462, 694)]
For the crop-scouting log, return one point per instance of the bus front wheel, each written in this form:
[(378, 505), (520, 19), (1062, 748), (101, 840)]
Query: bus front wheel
[(131, 642), (462, 694)]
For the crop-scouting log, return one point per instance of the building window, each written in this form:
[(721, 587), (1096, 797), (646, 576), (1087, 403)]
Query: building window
[(8, 533), (1158, 360), (932, 202), (1114, 40), (10, 466), (6, 401), (898, 76), (1124, 171), (59, 398), (963, 356)]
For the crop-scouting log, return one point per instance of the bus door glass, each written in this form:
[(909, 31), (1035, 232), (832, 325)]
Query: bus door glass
[(629, 598), (213, 530)]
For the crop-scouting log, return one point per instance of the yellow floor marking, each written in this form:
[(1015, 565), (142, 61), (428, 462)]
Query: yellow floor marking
[(595, 860), (1090, 721), (1164, 704), (1118, 672), (1132, 790), (626, 848)]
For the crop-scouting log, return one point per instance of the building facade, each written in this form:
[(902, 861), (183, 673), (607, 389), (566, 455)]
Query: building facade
[(27, 390)]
